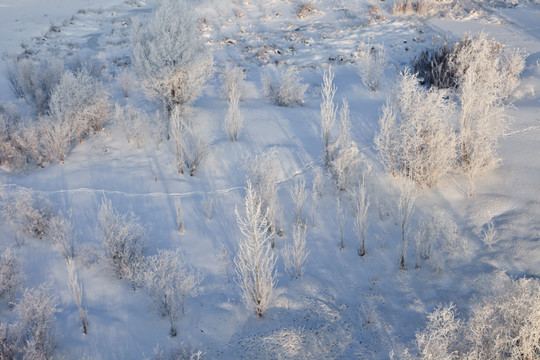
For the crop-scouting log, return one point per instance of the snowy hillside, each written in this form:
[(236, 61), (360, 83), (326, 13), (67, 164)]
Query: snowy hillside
[(468, 237)]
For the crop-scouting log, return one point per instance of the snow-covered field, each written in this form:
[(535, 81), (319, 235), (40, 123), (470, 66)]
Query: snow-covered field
[(344, 306)]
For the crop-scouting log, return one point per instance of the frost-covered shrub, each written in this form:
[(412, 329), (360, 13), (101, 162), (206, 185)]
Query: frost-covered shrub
[(169, 280), (171, 61), (126, 81), (416, 139), (31, 213), (37, 331), (124, 241), (234, 119), (433, 67), (503, 325), (328, 115), (179, 351), (295, 254), (61, 234), (283, 88), (134, 123), (34, 81), (371, 65), (190, 144), (420, 7), (10, 275), (233, 82)]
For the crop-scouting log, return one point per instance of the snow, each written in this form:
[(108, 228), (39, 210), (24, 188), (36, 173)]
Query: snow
[(344, 306)]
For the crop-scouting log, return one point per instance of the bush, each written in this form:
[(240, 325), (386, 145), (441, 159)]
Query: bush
[(371, 65), (233, 83), (34, 81), (433, 67), (168, 55), (124, 241), (503, 325), (283, 88), (32, 214), (416, 139), (168, 280)]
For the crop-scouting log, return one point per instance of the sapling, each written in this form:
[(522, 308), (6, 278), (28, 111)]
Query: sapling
[(295, 254), (405, 206), (299, 195), (76, 289)]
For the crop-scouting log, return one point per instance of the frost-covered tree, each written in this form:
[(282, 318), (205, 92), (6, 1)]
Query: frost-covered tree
[(76, 290), (341, 217), (295, 254), (233, 80), (299, 195), (168, 55), (262, 172), (328, 114), (416, 139), (124, 241), (10, 275), (29, 212), (255, 261), (361, 205), (169, 280), (405, 205)]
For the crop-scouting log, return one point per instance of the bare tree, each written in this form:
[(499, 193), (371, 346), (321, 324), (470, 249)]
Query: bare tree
[(168, 280), (295, 254), (76, 289), (255, 262), (340, 219), (405, 206)]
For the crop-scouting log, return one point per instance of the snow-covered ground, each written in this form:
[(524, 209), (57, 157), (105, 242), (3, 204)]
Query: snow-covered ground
[(345, 306)]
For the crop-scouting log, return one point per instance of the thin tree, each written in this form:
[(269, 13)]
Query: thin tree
[(76, 289), (299, 195), (255, 262), (295, 254), (361, 206), (405, 205), (328, 114)]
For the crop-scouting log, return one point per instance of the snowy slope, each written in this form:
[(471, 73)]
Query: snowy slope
[(344, 306)]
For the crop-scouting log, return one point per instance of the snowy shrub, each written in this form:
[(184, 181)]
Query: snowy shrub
[(10, 275), (420, 7), (10, 153), (262, 174), (489, 234), (255, 262), (190, 144), (416, 139), (168, 280), (234, 119), (134, 123), (169, 57), (35, 81), (283, 88), (341, 216), (486, 77), (37, 331), (179, 216), (177, 352), (295, 254), (371, 65), (31, 213), (127, 82), (124, 241), (233, 83), (61, 234), (440, 339), (503, 325), (433, 67)]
